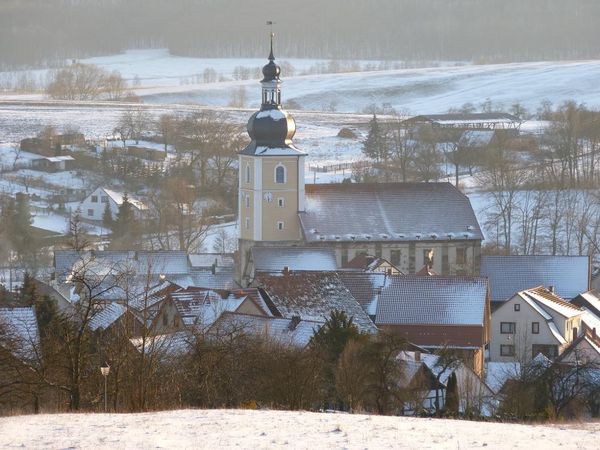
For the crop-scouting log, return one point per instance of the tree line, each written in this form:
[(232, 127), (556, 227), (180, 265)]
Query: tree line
[(44, 32)]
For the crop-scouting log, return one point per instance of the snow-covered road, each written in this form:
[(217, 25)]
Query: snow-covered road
[(216, 429)]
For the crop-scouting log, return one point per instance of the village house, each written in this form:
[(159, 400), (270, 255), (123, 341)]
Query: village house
[(437, 312), (94, 205), (407, 224), (311, 296), (52, 163), (533, 321)]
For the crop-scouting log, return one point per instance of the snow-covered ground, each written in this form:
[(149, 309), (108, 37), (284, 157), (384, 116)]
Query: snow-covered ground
[(212, 429)]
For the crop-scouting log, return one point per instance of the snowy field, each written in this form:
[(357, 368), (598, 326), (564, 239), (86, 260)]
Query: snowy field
[(212, 429)]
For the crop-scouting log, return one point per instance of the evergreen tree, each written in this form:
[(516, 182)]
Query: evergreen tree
[(451, 406), (124, 230), (28, 290), (21, 233), (107, 217), (375, 146)]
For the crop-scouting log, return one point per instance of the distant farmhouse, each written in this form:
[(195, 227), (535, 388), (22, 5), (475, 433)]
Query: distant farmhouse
[(94, 205), (408, 224)]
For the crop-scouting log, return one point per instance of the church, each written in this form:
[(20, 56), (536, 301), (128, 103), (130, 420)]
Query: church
[(411, 225)]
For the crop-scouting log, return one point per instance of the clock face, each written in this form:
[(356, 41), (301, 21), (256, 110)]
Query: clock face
[(268, 197)]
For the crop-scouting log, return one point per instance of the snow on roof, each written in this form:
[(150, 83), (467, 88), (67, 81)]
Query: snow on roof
[(20, 327), (275, 259), (206, 260), (58, 158), (387, 212), (171, 344), (510, 274), (365, 287), (106, 315), (547, 299), (263, 150), (312, 296), (466, 118), (286, 331), (118, 197), (589, 300), (434, 300), (159, 262), (498, 373)]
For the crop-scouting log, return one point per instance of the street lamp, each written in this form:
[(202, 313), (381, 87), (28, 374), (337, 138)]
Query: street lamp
[(105, 370)]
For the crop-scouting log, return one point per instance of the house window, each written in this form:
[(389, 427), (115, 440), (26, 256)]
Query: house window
[(280, 174), (507, 350), (247, 201), (281, 202), (90, 213), (535, 328), (104, 199), (94, 199), (395, 257), (461, 255), (280, 225), (517, 307), (507, 327), (550, 351), (247, 172), (247, 223)]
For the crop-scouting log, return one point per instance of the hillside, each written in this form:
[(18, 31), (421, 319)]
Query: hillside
[(276, 429)]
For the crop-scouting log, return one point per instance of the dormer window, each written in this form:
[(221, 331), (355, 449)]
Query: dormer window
[(280, 174), (248, 173)]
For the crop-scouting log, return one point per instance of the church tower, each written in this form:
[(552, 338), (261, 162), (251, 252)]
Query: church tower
[(271, 170)]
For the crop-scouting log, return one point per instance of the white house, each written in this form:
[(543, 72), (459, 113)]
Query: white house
[(534, 321), (92, 207)]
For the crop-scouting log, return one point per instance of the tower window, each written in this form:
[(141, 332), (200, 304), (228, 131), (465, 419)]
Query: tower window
[(281, 202), (280, 225), (247, 172), (247, 201), (280, 174), (247, 223)]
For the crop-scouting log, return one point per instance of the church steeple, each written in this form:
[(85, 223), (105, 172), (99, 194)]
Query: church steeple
[(271, 83), (271, 128)]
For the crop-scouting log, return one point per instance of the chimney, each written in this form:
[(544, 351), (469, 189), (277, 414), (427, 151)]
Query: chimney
[(418, 356), (551, 288), (286, 271), (294, 323)]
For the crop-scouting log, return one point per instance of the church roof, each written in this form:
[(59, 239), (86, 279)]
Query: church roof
[(387, 212)]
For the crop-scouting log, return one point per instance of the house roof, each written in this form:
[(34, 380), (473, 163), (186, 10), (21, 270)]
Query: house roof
[(118, 197), (366, 262), (387, 212), (434, 300), (457, 118), (498, 373), (364, 287), (589, 300), (200, 307), (20, 327), (312, 296), (510, 274), (275, 259), (143, 263), (284, 330), (106, 316), (206, 260), (549, 300)]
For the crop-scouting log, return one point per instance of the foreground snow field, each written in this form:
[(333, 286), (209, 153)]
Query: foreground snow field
[(274, 429)]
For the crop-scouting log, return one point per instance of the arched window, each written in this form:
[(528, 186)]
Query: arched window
[(280, 174), (247, 172)]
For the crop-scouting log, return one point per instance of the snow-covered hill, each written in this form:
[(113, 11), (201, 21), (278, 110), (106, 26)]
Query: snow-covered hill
[(195, 429)]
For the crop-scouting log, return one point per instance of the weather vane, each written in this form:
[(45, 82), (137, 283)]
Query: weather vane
[(270, 23)]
